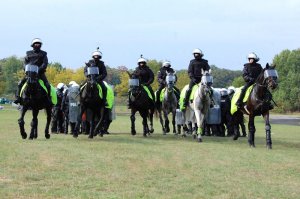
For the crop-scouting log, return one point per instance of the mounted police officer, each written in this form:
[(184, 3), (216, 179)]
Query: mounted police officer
[(39, 58), (145, 76), (161, 77), (97, 62), (251, 71), (195, 72)]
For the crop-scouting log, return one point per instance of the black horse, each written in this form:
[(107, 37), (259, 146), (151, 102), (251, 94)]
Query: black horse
[(35, 98), (140, 102), (258, 103), (91, 102)]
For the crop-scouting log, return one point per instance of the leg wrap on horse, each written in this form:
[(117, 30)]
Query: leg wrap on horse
[(268, 134)]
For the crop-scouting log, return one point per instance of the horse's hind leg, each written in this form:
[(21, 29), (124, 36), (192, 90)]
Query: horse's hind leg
[(151, 130), (173, 122), (268, 131), (22, 123), (167, 123), (48, 112), (34, 123)]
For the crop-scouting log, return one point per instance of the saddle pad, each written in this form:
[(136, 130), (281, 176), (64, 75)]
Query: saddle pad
[(148, 92), (162, 93), (236, 96), (110, 98), (183, 92)]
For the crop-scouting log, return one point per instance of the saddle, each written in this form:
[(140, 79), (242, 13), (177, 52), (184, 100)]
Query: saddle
[(236, 96), (98, 86), (42, 84)]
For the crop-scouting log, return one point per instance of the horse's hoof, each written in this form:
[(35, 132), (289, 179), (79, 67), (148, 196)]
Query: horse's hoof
[(235, 137), (184, 135), (269, 147), (30, 138), (194, 136), (252, 145), (145, 135), (75, 136), (47, 136), (133, 132), (151, 130), (24, 136), (199, 139), (90, 137)]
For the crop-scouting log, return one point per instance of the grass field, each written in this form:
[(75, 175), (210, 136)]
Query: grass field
[(122, 166)]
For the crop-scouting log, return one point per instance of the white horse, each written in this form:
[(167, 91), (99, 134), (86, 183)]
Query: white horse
[(196, 111)]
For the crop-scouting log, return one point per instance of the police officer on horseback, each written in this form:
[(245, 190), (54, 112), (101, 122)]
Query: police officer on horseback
[(161, 77), (97, 62), (195, 72), (39, 58), (145, 76), (251, 71)]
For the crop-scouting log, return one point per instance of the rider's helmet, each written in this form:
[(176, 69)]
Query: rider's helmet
[(231, 90), (72, 82), (97, 54), (253, 56), (60, 86), (166, 64), (197, 53), (142, 61), (36, 40)]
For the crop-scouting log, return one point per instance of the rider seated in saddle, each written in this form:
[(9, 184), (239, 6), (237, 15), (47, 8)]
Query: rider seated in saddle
[(195, 69), (145, 76), (97, 62), (161, 77), (39, 58), (250, 73)]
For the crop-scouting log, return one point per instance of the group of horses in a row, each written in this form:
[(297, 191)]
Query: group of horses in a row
[(35, 98)]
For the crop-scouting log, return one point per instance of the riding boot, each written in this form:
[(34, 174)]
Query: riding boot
[(129, 103), (186, 98), (239, 102)]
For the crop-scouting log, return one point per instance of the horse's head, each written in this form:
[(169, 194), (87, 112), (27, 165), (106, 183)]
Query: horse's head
[(31, 72), (170, 80), (206, 80), (270, 77), (92, 74)]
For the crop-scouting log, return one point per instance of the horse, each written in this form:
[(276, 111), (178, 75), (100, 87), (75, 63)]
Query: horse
[(91, 102), (257, 104), (142, 103), (169, 105), (34, 97), (198, 108)]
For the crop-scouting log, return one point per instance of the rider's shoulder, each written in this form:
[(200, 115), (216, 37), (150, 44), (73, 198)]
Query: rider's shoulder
[(43, 52)]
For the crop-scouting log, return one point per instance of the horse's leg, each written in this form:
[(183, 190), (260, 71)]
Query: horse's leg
[(235, 123), (161, 121), (22, 123), (48, 112), (268, 130), (151, 121), (173, 121), (251, 127), (34, 121), (79, 119), (145, 125), (167, 122), (102, 121), (91, 134), (199, 119), (132, 118)]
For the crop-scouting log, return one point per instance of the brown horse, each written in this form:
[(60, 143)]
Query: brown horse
[(259, 103)]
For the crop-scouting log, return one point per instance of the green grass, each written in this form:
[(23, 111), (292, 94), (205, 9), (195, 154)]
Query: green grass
[(122, 166)]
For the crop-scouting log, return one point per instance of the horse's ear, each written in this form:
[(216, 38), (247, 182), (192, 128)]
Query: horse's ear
[(273, 65), (174, 72), (129, 74), (209, 71), (267, 66), (202, 71)]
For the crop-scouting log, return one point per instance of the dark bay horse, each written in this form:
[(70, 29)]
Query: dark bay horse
[(169, 105), (259, 103), (142, 103), (34, 97), (91, 102)]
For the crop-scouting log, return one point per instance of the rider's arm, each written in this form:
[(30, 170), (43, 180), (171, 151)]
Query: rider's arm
[(151, 77), (45, 63)]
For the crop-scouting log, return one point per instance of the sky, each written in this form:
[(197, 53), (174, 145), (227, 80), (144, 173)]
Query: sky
[(226, 31)]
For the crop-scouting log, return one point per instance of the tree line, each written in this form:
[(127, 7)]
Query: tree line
[(287, 96)]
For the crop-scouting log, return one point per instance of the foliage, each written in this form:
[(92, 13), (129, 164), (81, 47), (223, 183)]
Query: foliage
[(287, 96)]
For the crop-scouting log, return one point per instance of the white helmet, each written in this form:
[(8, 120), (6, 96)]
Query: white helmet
[(142, 59), (36, 40), (253, 56), (97, 53), (197, 51), (72, 82), (60, 85), (231, 90), (166, 64)]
